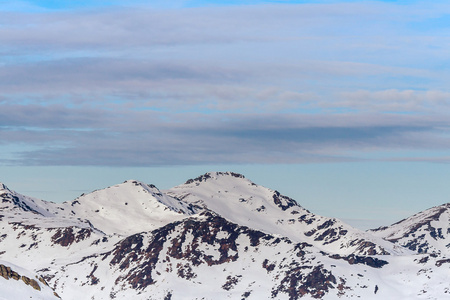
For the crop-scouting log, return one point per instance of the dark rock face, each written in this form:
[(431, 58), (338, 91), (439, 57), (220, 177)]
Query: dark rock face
[(66, 236), (207, 176), (297, 283), (201, 178), (365, 260), (369, 248), (206, 232), (420, 246), (231, 282), (8, 197), (282, 201), (268, 266), (442, 261), (93, 279)]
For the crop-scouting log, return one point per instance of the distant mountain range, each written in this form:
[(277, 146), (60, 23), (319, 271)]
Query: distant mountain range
[(218, 236)]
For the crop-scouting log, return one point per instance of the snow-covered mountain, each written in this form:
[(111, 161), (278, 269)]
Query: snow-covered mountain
[(216, 236), (127, 208), (243, 202), (208, 257), (424, 232)]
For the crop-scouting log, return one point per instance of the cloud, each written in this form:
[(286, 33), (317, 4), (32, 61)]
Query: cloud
[(128, 28), (146, 85), (393, 100), (55, 135)]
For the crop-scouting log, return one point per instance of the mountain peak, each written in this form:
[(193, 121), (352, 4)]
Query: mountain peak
[(425, 232), (132, 182), (3, 187), (214, 175), (127, 208)]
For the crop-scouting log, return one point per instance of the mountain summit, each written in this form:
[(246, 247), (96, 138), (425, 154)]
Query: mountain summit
[(424, 232), (241, 201), (128, 208)]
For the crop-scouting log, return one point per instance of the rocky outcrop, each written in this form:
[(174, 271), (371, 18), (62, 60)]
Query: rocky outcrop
[(206, 176), (66, 236), (7, 273), (365, 260)]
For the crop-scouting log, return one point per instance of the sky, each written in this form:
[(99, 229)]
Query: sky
[(343, 106)]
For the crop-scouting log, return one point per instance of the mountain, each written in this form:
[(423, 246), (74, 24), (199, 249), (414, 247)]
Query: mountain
[(127, 208), (243, 202), (18, 208), (33, 228), (13, 203), (208, 257), (216, 236), (211, 258), (424, 232), (36, 233)]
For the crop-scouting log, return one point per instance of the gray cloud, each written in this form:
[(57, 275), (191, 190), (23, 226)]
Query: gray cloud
[(252, 84), (149, 138)]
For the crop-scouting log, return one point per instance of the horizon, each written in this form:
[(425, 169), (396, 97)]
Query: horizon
[(342, 106), (367, 212)]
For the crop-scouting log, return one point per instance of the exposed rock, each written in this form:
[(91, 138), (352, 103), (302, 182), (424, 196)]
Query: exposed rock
[(207, 176), (297, 283), (442, 261), (7, 273), (365, 260), (282, 201), (231, 282), (66, 236), (266, 265)]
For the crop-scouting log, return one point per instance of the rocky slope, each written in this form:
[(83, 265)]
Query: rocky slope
[(213, 258), (424, 232), (208, 257)]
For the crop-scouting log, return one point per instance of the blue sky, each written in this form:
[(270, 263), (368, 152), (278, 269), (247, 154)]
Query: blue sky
[(333, 103)]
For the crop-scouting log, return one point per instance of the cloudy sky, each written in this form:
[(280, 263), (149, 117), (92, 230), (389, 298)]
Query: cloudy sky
[(343, 106)]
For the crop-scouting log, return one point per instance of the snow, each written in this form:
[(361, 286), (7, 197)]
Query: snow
[(128, 208), (239, 200), (17, 289), (429, 229)]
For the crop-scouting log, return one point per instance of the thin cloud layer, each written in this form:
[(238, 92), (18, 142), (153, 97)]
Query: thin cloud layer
[(280, 83)]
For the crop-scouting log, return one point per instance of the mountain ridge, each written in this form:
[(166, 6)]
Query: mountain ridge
[(425, 232), (217, 235), (241, 201)]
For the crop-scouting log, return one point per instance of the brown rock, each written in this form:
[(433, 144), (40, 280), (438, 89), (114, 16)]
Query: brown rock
[(35, 284), (4, 272), (41, 279), (26, 280), (15, 275)]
